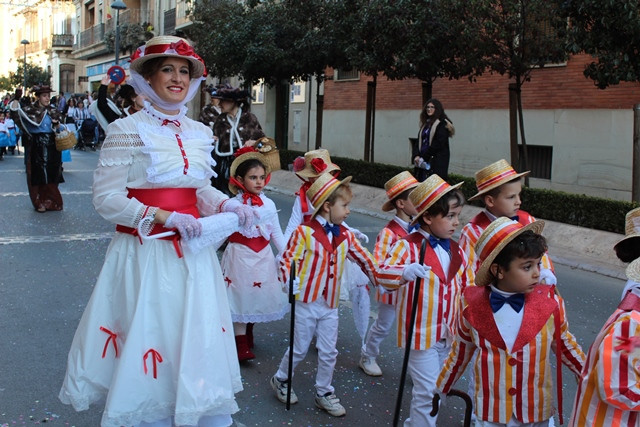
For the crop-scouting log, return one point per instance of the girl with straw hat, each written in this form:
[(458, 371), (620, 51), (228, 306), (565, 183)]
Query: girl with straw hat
[(156, 339), (444, 270), (609, 384), (513, 323), (248, 263)]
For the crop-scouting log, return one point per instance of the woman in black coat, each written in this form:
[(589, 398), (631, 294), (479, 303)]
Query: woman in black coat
[(431, 155)]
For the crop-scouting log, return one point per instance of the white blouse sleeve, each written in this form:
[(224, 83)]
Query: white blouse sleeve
[(111, 176), (295, 220)]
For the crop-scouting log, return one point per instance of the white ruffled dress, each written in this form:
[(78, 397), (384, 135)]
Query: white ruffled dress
[(156, 338), (255, 294)]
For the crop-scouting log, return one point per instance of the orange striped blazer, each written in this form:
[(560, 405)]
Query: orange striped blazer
[(438, 295), (387, 237), (320, 263), (609, 388), (516, 383), (471, 233)]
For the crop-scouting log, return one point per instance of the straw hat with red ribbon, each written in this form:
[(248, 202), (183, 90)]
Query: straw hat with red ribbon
[(314, 164), (493, 176), (428, 192), (493, 240), (397, 185), (241, 156), (322, 188), (168, 46)]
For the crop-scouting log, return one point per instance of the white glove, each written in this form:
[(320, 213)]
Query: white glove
[(547, 277), (246, 214), (187, 225), (360, 235), (296, 286), (412, 271)]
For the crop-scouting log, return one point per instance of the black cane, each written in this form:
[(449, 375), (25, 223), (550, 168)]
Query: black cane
[(407, 349), (292, 301)]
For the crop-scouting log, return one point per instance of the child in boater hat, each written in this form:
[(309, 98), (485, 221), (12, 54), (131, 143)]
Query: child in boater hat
[(397, 189), (248, 263), (499, 187), (444, 272), (319, 249), (609, 384), (513, 323)]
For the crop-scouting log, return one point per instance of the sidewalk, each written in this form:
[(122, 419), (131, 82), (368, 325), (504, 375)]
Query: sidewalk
[(577, 247)]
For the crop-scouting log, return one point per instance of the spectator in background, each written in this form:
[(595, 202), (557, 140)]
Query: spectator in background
[(431, 156)]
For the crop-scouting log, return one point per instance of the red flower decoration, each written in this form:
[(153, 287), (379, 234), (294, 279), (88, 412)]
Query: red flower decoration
[(318, 164), (298, 164), (182, 48), (244, 150)]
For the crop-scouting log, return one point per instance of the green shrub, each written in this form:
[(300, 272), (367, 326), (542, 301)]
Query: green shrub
[(575, 209)]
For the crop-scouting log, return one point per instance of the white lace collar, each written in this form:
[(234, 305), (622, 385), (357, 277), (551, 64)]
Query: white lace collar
[(148, 108)]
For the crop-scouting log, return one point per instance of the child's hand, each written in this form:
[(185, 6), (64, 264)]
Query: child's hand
[(296, 286), (412, 271), (360, 235)]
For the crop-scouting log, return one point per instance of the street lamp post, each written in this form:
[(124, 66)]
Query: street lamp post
[(118, 5), (25, 42)]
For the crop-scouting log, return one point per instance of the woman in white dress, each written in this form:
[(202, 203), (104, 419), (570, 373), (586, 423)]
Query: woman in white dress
[(156, 339)]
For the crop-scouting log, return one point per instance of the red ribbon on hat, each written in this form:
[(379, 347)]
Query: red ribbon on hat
[(180, 47), (318, 164)]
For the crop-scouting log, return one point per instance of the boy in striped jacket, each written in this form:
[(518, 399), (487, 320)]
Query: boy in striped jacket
[(445, 274), (499, 187), (609, 387), (320, 248), (397, 189), (513, 322)]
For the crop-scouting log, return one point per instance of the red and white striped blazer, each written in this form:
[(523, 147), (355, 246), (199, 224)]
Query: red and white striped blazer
[(517, 383), (439, 292), (609, 388), (471, 233), (320, 262), (387, 237)]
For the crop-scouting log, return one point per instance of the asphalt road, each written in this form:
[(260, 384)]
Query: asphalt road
[(48, 266)]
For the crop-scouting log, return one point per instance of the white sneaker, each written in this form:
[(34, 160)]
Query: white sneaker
[(330, 403), (280, 387), (370, 366)]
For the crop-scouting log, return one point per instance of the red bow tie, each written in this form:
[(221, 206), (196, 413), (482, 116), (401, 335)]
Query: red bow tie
[(255, 199)]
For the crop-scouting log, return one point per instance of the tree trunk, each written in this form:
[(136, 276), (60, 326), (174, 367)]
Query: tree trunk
[(282, 114), (367, 122), (319, 113), (525, 154), (427, 91), (513, 126)]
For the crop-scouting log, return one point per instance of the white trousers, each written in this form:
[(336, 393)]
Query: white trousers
[(206, 421), (379, 330), (424, 368), (319, 319)]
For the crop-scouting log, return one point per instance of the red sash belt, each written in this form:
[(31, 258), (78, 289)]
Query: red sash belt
[(256, 244), (181, 200)]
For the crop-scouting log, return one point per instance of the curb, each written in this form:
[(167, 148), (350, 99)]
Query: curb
[(576, 247)]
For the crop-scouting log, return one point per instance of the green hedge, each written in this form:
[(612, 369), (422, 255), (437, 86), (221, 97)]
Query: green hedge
[(575, 209)]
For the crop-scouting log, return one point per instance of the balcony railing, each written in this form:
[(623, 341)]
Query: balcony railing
[(183, 9), (62, 40), (91, 36), (131, 16), (169, 21)]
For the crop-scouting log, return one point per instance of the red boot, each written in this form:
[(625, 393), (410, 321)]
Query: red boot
[(250, 334), (242, 346)]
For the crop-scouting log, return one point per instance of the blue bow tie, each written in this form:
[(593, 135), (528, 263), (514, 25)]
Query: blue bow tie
[(515, 218), (335, 229), (444, 243), (497, 300), (413, 228)]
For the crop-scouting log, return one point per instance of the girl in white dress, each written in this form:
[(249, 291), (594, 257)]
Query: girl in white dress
[(248, 263), (156, 338)]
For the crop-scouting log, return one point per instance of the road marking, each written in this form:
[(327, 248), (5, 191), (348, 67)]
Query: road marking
[(12, 240), (24, 193)]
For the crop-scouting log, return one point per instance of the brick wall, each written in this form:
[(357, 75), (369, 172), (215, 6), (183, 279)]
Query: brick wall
[(563, 87)]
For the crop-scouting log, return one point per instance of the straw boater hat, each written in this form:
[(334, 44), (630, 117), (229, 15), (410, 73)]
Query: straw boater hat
[(495, 175), (168, 46), (396, 186), (633, 270), (244, 154), (427, 193), (631, 229), (316, 163), (322, 188), (493, 240)]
